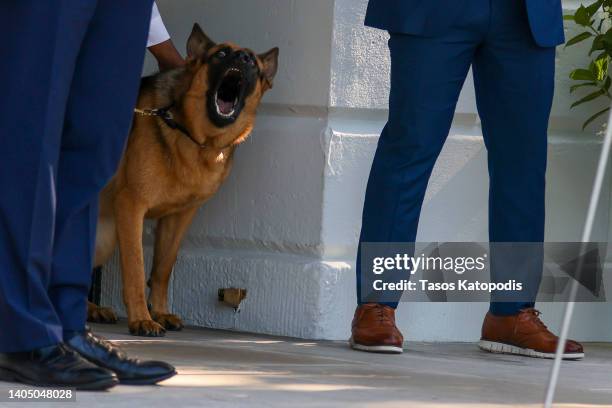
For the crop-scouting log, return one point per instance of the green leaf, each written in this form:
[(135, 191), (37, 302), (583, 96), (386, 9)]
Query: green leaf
[(575, 87), (601, 67), (568, 17), (607, 41), (598, 44), (582, 16), (592, 9), (592, 118), (583, 75), (580, 37), (589, 98)]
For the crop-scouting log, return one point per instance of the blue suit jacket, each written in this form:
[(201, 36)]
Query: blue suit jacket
[(428, 17)]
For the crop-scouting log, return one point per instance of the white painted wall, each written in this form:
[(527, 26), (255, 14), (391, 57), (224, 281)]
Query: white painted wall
[(286, 223)]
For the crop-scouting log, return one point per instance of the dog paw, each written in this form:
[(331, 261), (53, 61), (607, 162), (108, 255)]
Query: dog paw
[(168, 321), (98, 314), (146, 328)]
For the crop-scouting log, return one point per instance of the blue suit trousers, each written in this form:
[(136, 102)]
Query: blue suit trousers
[(514, 81), (70, 72)]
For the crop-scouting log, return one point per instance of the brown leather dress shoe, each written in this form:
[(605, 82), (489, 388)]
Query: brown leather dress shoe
[(524, 334), (374, 330)]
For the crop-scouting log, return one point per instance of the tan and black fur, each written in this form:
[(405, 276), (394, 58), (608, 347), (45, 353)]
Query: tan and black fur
[(167, 176)]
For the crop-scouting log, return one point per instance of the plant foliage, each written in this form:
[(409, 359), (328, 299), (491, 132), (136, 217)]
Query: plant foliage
[(596, 20)]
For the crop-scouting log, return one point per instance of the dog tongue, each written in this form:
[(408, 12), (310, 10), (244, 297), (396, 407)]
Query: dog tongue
[(225, 107)]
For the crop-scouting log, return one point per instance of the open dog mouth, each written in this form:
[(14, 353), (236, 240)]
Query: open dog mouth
[(227, 97)]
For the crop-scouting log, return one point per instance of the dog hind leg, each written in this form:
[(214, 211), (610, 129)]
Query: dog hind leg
[(99, 314), (106, 242), (106, 232)]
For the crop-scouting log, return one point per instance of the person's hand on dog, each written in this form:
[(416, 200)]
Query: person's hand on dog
[(167, 55), (160, 44)]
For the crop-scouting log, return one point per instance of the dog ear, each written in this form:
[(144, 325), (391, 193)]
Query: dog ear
[(198, 42), (270, 66)]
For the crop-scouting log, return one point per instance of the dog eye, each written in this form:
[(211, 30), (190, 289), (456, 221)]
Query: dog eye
[(251, 60), (221, 54)]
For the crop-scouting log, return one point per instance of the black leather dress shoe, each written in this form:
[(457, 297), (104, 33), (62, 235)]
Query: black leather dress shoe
[(103, 353), (55, 366)]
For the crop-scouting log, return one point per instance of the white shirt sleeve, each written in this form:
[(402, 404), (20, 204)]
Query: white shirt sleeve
[(157, 30)]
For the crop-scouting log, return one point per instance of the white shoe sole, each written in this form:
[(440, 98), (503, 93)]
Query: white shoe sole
[(502, 348), (375, 349)]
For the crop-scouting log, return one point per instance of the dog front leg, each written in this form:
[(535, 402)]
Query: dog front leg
[(168, 236), (130, 218)]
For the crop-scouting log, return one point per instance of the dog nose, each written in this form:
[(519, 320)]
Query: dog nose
[(244, 57)]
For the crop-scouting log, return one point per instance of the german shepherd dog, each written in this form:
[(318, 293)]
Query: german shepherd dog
[(178, 154)]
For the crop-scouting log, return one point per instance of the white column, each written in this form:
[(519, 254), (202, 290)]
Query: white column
[(285, 225)]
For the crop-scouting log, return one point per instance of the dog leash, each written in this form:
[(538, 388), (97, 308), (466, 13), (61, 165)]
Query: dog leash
[(165, 115)]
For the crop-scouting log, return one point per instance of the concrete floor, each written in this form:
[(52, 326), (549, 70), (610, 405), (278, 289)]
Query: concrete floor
[(226, 369)]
